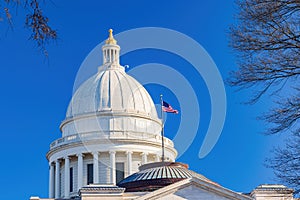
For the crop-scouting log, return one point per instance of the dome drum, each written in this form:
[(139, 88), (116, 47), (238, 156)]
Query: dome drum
[(107, 122)]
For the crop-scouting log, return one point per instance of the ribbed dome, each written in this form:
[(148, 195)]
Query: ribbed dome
[(157, 175), (111, 102), (111, 90)]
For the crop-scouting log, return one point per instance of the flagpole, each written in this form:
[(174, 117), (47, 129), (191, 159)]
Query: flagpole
[(162, 131)]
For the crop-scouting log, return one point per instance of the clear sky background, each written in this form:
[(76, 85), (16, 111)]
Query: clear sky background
[(35, 93)]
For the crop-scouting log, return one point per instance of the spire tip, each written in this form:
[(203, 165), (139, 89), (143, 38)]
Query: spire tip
[(111, 39)]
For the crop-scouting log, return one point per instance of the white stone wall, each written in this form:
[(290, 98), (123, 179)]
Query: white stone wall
[(104, 171), (136, 162), (192, 192), (151, 158)]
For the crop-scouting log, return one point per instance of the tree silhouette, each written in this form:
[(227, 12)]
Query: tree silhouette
[(266, 40)]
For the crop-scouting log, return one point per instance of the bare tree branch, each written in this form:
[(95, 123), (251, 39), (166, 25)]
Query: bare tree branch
[(266, 40), (285, 116), (35, 21), (286, 162)]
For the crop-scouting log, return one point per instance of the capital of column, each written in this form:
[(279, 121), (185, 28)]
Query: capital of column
[(128, 152), (57, 161), (144, 154), (112, 152), (95, 153), (80, 155), (67, 158)]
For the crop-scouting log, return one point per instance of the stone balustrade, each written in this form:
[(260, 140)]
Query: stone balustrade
[(141, 136)]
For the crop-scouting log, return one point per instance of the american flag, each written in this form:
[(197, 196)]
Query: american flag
[(168, 108)]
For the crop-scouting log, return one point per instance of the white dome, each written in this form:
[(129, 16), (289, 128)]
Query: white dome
[(111, 102), (111, 90)]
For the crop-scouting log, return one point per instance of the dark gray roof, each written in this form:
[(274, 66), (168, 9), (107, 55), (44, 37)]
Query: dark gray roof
[(159, 173), (156, 175)]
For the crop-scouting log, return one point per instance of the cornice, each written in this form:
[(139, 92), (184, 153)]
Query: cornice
[(114, 141)]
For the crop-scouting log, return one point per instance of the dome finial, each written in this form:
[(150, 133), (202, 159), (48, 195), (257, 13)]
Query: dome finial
[(111, 39)]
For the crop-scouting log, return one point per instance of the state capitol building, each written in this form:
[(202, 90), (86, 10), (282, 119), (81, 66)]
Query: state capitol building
[(111, 147)]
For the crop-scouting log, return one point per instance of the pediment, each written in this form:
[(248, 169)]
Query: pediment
[(194, 188)]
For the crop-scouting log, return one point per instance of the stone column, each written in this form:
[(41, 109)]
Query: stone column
[(110, 60), (104, 58), (80, 171), (51, 180), (67, 177), (144, 158), (57, 181), (112, 155), (129, 162), (96, 167)]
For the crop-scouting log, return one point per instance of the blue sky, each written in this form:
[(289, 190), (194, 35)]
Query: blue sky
[(35, 93)]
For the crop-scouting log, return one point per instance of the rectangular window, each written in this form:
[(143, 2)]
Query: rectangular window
[(71, 179), (90, 174), (60, 183), (119, 171)]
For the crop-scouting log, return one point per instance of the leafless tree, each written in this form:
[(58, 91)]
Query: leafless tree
[(266, 40), (35, 20), (286, 162)]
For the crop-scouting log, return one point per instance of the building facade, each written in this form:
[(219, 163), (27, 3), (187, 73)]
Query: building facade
[(111, 146)]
